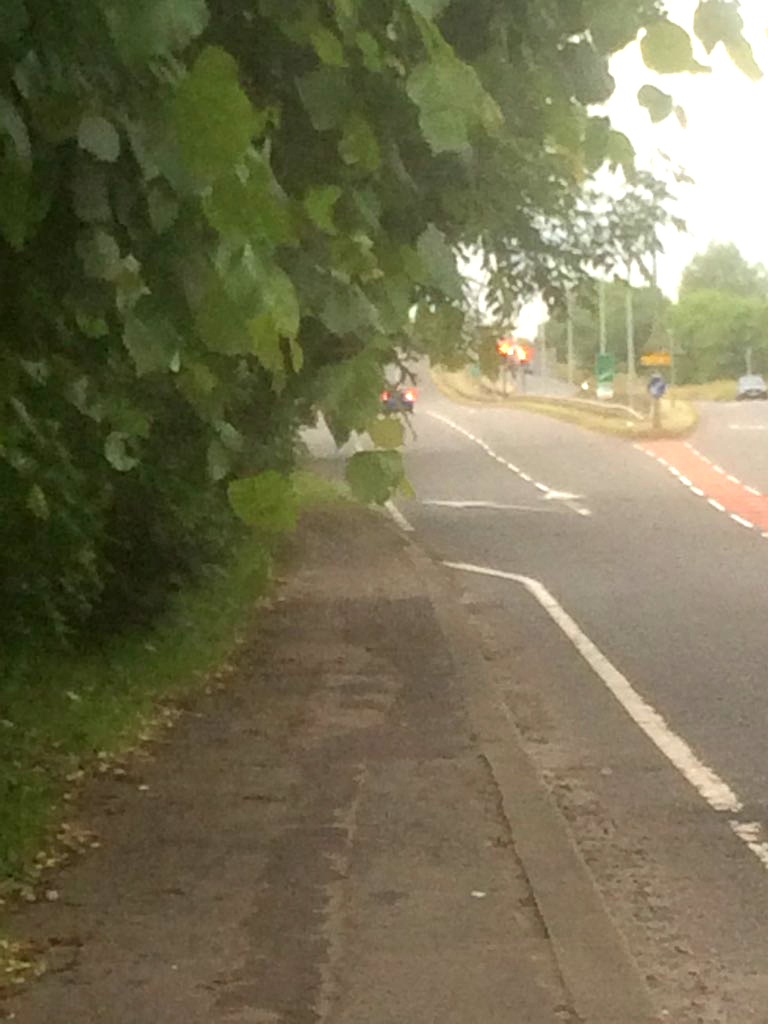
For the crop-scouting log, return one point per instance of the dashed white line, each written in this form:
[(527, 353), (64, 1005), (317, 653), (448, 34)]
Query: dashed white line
[(733, 479), (741, 521), (548, 492), (752, 490), (718, 469), (705, 781), (698, 491), (716, 504)]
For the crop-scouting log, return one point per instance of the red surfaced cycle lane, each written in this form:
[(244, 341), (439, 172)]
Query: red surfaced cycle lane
[(725, 492)]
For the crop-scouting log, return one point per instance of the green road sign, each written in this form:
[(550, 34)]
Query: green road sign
[(604, 371)]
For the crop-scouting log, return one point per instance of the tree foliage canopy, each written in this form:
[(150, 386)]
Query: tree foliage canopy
[(217, 216)]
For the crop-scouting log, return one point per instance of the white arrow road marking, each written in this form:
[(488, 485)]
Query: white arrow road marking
[(707, 783), (549, 493), (495, 505)]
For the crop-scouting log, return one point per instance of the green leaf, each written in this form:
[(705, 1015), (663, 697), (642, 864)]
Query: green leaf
[(348, 310), (99, 137), (90, 193), (667, 49), (429, 9), (326, 97), (152, 341), (370, 50), (13, 127), (15, 201), (37, 503), (282, 302), (328, 47), (451, 101), (265, 343), (219, 461), (620, 152), (248, 206), (220, 322), (717, 21), (100, 255), (386, 432), (658, 104), (319, 203), (296, 353), (14, 19), (266, 501), (743, 57), (163, 208), (213, 119), (142, 29), (359, 145), (439, 262), (373, 477), (229, 436), (117, 452)]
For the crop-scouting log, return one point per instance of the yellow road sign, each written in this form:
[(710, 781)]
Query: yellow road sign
[(656, 359)]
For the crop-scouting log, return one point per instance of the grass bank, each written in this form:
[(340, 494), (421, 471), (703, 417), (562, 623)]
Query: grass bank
[(63, 716), (678, 417)]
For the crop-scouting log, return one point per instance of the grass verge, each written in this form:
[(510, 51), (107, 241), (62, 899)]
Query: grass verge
[(679, 417), (64, 715), (712, 391)]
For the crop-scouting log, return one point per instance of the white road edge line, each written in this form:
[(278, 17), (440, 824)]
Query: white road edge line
[(717, 793), (398, 516)]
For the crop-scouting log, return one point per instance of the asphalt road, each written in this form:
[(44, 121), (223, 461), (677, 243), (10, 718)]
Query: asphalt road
[(671, 591)]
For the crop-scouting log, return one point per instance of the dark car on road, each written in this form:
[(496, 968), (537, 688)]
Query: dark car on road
[(751, 386), (398, 399)]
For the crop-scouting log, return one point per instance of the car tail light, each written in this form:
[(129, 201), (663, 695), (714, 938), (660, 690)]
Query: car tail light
[(410, 396), (385, 396)]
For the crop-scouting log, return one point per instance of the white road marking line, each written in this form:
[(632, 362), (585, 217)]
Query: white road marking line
[(674, 471), (685, 480), (747, 426), (716, 504), (704, 780), (398, 516), (733, 479), (718, 469), (662, 461), (496, 505), (752, 490), (698, 491), (548, 492), (741, 521), (749, 833)]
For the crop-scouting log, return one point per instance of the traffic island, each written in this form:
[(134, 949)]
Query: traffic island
[(677, 418)]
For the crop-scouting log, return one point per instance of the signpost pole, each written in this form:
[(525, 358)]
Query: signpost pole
[(569, 334), (601, 311), (630, 320)]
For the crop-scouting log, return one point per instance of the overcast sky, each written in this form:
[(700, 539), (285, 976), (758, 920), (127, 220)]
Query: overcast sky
[(724, 147)]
